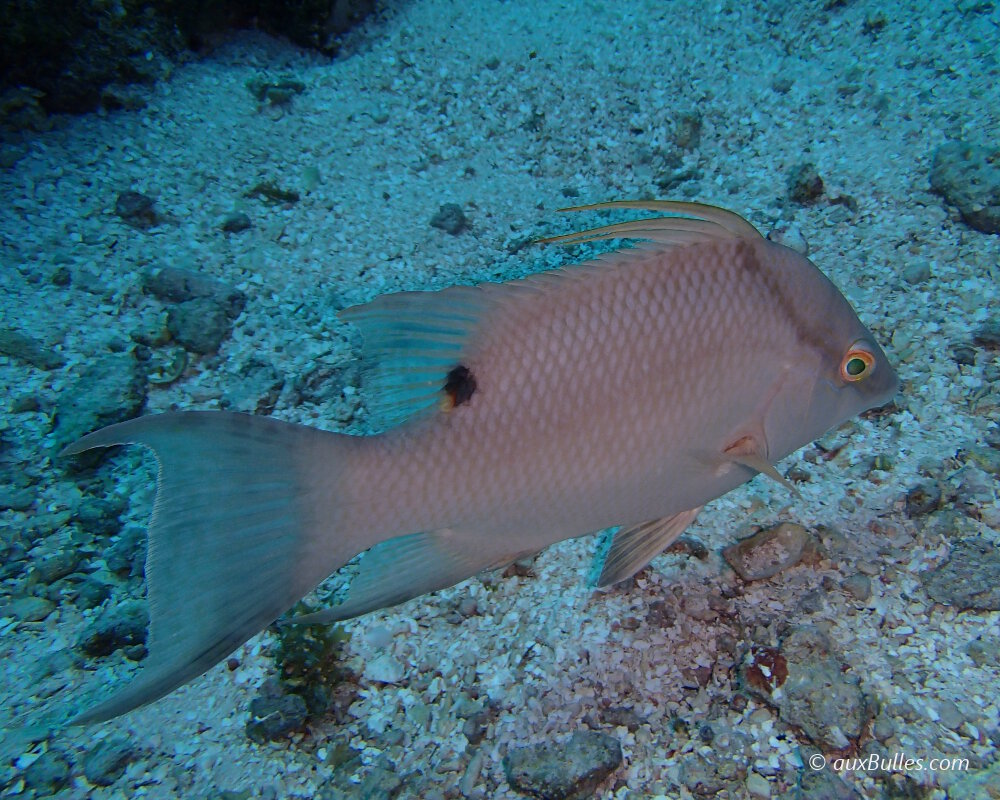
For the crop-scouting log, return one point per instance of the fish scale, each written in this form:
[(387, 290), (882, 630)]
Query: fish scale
[(625, 391)]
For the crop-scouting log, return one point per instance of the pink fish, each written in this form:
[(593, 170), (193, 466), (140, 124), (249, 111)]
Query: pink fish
[(626, 391)]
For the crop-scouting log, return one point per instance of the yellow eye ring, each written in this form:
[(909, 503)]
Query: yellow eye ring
[(857, 364)]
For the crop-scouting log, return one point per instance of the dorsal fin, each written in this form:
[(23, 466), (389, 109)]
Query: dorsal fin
[(691, 222), (414, 341)]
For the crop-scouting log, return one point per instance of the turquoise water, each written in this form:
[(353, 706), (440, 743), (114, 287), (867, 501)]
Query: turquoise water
[(190, 251)]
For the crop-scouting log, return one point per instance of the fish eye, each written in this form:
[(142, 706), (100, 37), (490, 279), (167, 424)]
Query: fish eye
[(857, 363)]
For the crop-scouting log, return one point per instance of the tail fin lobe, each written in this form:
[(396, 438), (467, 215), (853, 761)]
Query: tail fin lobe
[(239, 534)]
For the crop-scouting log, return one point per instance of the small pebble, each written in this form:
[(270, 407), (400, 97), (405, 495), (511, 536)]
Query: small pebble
[(16, 499), (28, 609), (963, 355), (106, 762), (450, 218), (858, 586), (984, 651), (384, 669), (48, 773), (919, 272), (988, 335), (236, 223), (950, 715), (274, 718), (922, 499), (758, 786), (136, 209), (883, 728), (804, 184)]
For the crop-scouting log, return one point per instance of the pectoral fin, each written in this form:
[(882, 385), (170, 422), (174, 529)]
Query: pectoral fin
[(749, 453), (634, 547)]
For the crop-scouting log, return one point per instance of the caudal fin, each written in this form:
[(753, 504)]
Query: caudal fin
[(241, 531)]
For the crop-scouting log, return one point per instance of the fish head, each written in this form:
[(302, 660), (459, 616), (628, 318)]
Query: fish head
[(831, 367)]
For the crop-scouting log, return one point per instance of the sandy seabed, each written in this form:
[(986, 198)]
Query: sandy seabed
[(513, 110)]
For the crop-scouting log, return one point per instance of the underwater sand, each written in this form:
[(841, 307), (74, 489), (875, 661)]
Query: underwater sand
[(513, 110)]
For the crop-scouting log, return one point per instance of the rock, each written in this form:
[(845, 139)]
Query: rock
[(758, 786), (70, 53), (22, 347), (274, 718), (819, 693), (565, 771), (950, 715), (708, 771), (978, 784), (136, 209), (768, 552), (325, 383), (111, 389), (857, 586), (621, 717), (450, 218), (384, 668), (273, 193), (823, 784), (56, 662), (61, 276), (26, 404), (883, 728), (16, 499), (100, 516), (522, 568), (969, 580), (804, 184), (687, 130), (177, 285), (782, 84), (275, 92), (57, 565), (988, 335), (237, 222), (382, 783), (257, 390), (200, 325), (48, 773), (28, 609), (984, 652), (21, 110), (922, 499), (126, 554), (204, 309), (106, 762), (118, 97), (476, 725), (790, 236), (91, 592), (963, 354), (968, 176), (122, 627), (919, 272)]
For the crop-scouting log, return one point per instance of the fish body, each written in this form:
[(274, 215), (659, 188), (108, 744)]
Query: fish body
[(626, 391)]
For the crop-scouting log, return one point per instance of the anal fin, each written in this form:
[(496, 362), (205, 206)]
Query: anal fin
[(400, 569), (634, 547)]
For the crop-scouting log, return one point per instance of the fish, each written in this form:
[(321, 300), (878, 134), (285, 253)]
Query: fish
[(623, 392)]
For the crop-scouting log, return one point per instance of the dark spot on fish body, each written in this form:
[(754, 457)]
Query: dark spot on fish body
[(459, 387)]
